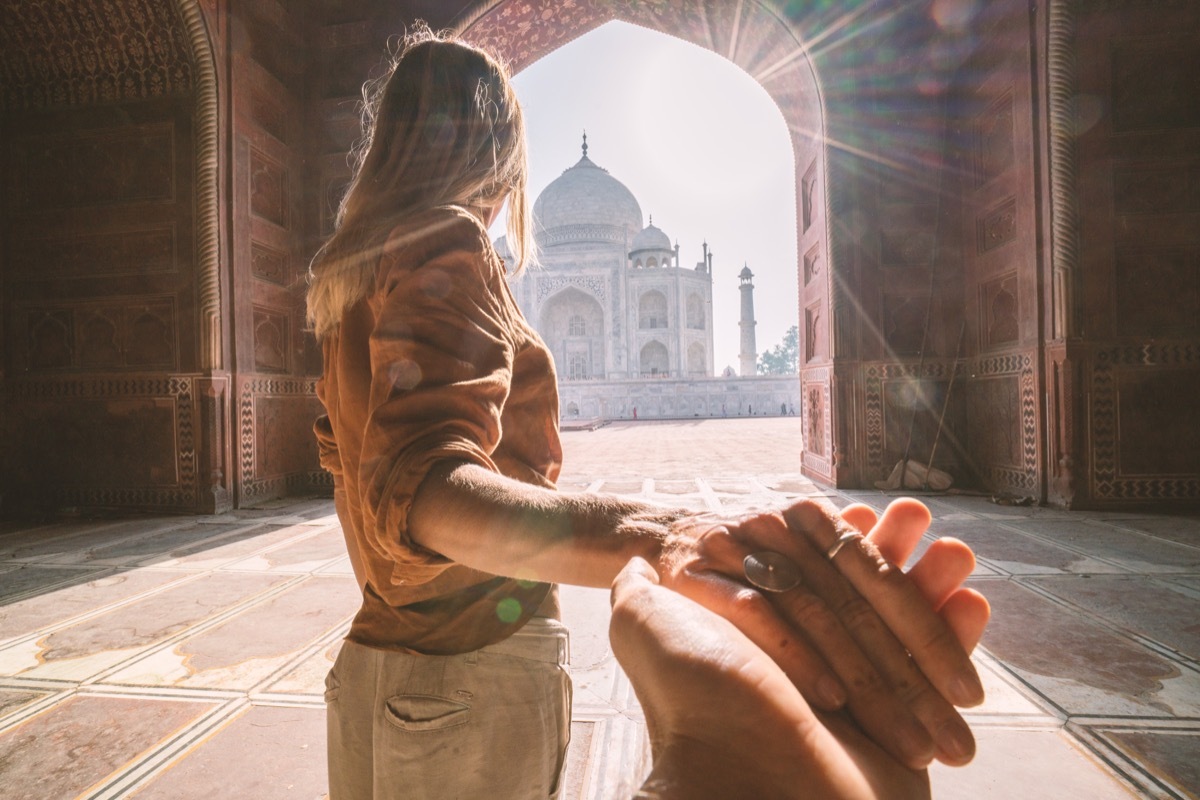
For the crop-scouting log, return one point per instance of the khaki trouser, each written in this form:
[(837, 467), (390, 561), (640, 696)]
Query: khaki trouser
[(493, 723)]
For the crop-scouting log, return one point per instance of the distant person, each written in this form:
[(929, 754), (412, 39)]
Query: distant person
[(441, 433)]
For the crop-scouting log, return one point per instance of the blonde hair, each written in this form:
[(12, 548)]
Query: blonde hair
[(441, 128)]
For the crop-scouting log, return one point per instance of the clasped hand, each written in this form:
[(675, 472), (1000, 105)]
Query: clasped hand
[(858, 632)]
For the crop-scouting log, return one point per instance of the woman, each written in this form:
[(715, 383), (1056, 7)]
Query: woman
[(441, 433)]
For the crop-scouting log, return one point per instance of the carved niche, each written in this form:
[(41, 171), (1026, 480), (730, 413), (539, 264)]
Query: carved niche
[(268, 264), (808, 197), (814, 398), (1001, 312), (270, 341), (812, 332), (904, 323), (812, 264)]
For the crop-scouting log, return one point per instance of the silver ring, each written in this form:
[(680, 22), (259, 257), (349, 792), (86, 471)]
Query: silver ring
[(771, 571), (840, 543)]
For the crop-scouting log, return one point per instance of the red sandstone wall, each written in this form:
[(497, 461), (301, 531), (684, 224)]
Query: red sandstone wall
[(274, 217), (1138, 368), (98, 263), (995, 126)]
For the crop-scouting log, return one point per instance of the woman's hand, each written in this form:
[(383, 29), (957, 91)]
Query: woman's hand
[(724, 720), (845, 634)]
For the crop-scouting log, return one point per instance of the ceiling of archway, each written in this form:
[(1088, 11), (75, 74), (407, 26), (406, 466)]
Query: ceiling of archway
[(83, 52), (749, 33)]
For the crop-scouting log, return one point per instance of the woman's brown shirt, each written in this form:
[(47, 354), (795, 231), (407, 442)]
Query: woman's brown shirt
[(437, 363)]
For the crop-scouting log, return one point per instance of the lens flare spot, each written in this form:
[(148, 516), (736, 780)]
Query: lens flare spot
[(405, 374), (509, 609)]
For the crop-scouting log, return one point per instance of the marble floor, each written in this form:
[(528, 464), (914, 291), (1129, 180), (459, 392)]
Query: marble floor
[(176, 657)]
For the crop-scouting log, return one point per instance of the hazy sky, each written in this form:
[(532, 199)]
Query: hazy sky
[(698, 142)]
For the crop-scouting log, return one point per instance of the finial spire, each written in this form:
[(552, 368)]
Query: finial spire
[(585, 142), (651, 219)]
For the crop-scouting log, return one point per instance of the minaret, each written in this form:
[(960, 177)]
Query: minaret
[(749, 354)]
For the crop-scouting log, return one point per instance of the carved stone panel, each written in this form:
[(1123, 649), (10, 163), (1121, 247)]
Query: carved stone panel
[(906, 247), (150, 336), (1000, 304), (1158, 291), (994, 421), (1145, 391), (997, 227), (1159, 422), (1157, 190), (808, 197), (268, 189), (51, 339), (994, 146), (812, 333), (270, 340), (136, 251), (812, 264), (1155, 85), (103, 335), (96, 167), (904, 323), (814, 427), (268, 263)]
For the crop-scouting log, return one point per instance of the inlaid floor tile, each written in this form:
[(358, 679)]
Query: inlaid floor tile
[(241, 652), (76, 744), (265, 753), (84, 649)]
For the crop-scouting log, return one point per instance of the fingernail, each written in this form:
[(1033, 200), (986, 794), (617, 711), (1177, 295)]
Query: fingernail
[(832, 695), (966, 691), (916, 745), (955, 741)]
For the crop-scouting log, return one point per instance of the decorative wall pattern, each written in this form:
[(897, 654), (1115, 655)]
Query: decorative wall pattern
[(1111, 371), (875, 378), (130, 251), (86, 433), (114, 333), (818, 421), (812, 263), (1000, 311), (994, 146), (271, 338), (997, 227), (268, 189), (95, 167), (593, 284), (1024, 477), (84, 52), (268, 263), (272, 458)]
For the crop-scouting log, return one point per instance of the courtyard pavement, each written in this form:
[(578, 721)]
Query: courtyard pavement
[(183, 657)]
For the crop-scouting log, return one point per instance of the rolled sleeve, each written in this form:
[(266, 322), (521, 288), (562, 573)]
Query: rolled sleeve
[(441, 363)]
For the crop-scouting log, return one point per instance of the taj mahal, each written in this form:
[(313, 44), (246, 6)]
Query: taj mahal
[(630, 327)]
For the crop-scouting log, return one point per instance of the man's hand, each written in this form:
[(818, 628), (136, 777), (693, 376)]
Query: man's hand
[(845, 634), (724, 720)]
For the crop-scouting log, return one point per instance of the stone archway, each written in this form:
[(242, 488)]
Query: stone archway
[(754, 36)]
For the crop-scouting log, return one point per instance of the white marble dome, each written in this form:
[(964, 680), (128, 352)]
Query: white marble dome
[(579, 204), (651, 238)]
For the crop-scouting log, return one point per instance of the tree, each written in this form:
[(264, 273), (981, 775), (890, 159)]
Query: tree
[(784, 358)]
